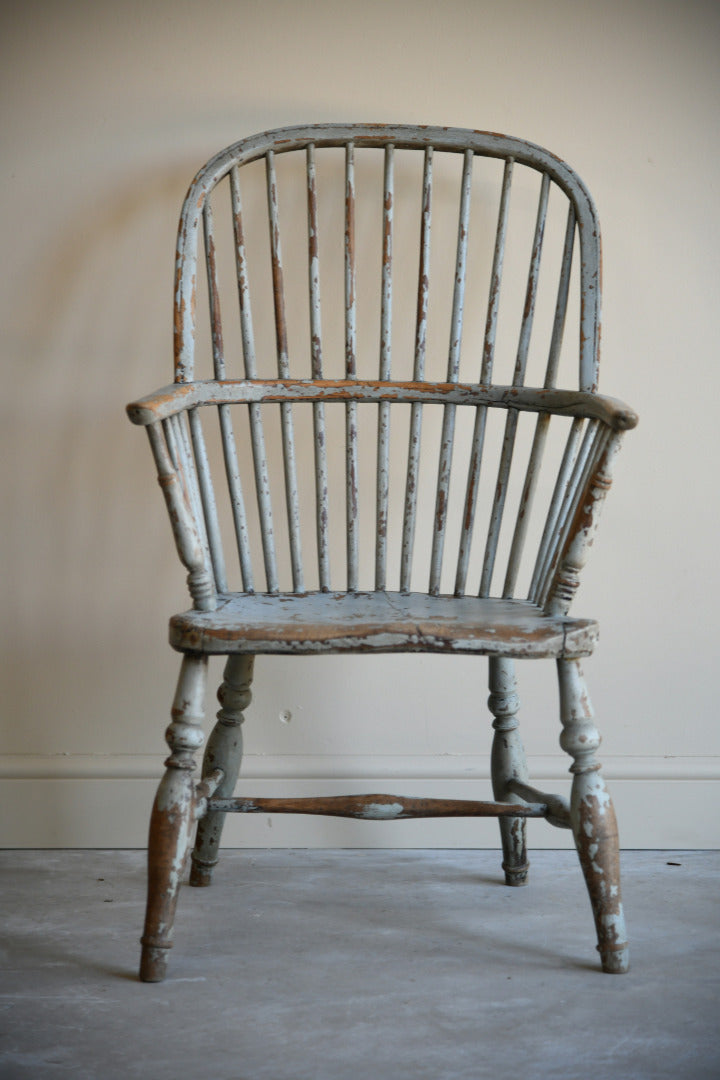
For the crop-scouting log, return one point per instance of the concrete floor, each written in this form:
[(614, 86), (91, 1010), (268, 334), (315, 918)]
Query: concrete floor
[(327, 965)]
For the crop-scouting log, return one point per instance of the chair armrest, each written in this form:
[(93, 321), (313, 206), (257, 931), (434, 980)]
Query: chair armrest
[(172, 399), (612, 412), (181, 396)]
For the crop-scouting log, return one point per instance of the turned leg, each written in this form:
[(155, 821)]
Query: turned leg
[(593, 818), (507, 762), (224, 751), (172, 819)]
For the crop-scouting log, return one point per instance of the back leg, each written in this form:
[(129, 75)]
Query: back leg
[(593, 818), (507, 762), (224, 751)]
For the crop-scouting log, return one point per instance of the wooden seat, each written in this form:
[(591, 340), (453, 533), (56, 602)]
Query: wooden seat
[(411, 459), (380, 622)]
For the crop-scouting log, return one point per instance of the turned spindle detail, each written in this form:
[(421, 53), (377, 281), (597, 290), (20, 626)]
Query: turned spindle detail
[(592, 818), (224, 751), (173, 817), (496, 484), (507, 762)]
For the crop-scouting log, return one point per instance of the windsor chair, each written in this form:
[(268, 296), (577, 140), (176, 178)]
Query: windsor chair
[(506, 472)]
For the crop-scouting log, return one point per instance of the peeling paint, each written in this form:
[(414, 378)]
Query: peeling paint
[(241, 625)]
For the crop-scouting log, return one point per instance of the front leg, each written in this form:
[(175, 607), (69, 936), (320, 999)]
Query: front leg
[(172, 819), (592, 818)]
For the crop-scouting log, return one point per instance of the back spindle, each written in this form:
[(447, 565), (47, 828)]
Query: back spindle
[(383, 450), (478, 439), (554, 510), (409, 517), (594, 437), (319, 432), (257, 437), (351, 451), (286, 422), (543, 421), (508, 446), (187, 444), (207, 499), (448, 426), (227, 435)]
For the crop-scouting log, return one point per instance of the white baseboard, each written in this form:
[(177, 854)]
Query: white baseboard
[(103, 801)]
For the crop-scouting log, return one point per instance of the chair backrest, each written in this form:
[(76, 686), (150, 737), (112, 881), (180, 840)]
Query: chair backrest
[(429, 269)]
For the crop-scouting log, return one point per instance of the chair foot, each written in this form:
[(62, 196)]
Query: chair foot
[(153, 963), (516, 875), (615, 959), (201, 873)]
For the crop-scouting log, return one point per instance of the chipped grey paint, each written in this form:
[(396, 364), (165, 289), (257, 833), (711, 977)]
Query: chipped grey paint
[(240, 625), (593, 818), (380, 622)]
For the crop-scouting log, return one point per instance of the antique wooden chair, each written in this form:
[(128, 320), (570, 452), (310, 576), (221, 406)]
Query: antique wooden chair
[(273, 448)]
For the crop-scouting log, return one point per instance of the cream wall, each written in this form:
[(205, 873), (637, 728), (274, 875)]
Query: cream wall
[(107, 110)]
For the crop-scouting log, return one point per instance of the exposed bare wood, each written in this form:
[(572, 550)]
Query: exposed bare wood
[(383, 449), (286, 421), (423, 292), (172, 819), (541, 429), (377, 807), (237, 501), (207, 496), (551, 519), (592, 818), (257, 437), (591, 448), (185, 532), (489, 144), (213, 294), (226, 426), (172, 399), (290, 620), (177, 438), (562, 300), (321, 469), (478, 441), (501, 487), (447, 437), (558, 807), (205, 790), (241, 263), (380, 622), (583, 526), (351, 459), (525, 505)]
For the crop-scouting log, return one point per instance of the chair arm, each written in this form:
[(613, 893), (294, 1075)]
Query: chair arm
[(181, 396), (166, 402)]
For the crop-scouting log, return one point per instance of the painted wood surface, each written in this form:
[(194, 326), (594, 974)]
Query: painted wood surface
[(380, 622), (527, 511)]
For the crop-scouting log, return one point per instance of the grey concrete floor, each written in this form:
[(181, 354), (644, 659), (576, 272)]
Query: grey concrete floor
[(326, 965)]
